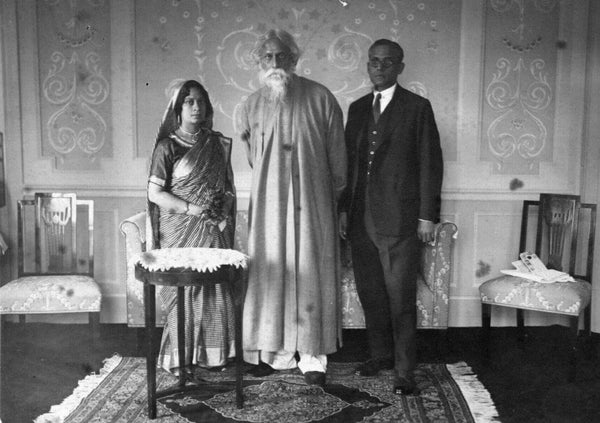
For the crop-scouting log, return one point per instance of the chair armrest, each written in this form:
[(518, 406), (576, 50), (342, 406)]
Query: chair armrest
[(241, 231), (134, 230), (436, 259), (436, 267)]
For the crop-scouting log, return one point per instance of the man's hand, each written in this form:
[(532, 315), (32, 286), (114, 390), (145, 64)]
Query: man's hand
[(425, 230), (343, 225)]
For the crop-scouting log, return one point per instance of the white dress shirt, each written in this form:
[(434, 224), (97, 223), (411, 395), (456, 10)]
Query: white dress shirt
[(386, 97)]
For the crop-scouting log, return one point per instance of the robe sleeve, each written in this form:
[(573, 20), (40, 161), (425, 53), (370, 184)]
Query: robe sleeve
[(336, 148), (243, 130)]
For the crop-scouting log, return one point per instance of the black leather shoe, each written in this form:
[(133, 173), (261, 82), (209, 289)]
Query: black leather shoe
[(262, 369), (373, 366), (405, 386), (315, 378)]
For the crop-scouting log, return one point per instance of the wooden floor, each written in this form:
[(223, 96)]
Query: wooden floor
[(42, 363)]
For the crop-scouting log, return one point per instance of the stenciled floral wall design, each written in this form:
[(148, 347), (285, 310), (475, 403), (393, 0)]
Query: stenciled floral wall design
[(74, 60), (212, 41), (522, 40)]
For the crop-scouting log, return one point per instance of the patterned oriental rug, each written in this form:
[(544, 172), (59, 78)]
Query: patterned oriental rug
[(449, 393)]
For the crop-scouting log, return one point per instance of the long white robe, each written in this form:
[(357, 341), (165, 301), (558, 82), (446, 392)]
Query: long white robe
[(298, 158)]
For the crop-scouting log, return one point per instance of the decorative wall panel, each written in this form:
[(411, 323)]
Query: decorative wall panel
[(496, 237), (212, 41), (74, 60), (520, 77)]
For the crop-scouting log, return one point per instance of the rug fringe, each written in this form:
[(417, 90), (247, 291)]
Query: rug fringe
[(478, 398), (58, 413)]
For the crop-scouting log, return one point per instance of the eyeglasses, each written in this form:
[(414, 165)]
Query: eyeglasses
[(270, 57), (384, 64)]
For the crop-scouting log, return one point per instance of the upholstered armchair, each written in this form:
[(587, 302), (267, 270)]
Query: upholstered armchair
[(433, 284), (432, 293), (134, 230)]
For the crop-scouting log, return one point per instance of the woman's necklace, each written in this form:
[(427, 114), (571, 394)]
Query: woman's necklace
[(189, 137), (190, 134)]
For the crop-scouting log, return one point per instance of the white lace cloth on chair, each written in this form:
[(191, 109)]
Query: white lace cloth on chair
[(198, 259)]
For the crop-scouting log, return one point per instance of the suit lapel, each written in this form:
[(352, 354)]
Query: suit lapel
[(391, 116), (364, 112)]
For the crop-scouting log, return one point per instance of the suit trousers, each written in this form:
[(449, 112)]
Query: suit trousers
[(385, 270)]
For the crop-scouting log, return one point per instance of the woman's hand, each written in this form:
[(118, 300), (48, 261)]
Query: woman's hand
[(343, 225), (169, 202), (194, 210)]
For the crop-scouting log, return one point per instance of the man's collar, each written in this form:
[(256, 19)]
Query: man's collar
[(388, 91)]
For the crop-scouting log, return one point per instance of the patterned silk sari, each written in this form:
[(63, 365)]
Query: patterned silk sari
[(202, 176)]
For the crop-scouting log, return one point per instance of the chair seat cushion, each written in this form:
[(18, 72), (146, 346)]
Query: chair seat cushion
[(50, 294), (568, 298)]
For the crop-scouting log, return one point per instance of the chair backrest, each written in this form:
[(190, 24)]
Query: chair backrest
[(55, 235), (561, 231)]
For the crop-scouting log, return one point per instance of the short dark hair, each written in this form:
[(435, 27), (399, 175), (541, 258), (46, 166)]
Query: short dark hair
[(391, 44), (184, 91)]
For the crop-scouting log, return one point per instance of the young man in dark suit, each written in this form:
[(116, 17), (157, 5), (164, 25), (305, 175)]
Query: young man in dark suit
[(391, 204)]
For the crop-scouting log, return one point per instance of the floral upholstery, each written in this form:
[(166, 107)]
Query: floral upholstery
[(567, 298), (50, 294), (134, 230), (432, 284), (432, 293)]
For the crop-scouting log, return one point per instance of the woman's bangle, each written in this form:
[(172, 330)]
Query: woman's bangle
[(187, 208)]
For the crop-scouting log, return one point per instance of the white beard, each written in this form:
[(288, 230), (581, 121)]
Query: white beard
[(276, 81)]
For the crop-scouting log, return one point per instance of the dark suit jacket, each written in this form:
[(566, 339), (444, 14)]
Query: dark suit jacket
[(406, 174)]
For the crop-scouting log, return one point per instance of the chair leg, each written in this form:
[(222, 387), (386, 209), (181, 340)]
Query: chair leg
[(520, 327), (486, 323), (588, 345), (573, 347), (587, 320), (140, 339), (443, 343), (94, 322)]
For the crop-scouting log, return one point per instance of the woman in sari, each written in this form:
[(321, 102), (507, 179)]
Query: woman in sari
[(191, 203)]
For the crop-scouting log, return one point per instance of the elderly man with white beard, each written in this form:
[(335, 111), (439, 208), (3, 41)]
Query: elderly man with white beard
[(293, 131)]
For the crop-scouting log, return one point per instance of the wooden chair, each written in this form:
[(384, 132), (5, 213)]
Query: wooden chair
[(562, 236), (433, 283), (55, 260)]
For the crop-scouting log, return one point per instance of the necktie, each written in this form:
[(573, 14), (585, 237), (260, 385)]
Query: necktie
[(377, 108)]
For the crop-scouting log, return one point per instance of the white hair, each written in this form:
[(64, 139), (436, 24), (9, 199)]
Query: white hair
[(284, 37)]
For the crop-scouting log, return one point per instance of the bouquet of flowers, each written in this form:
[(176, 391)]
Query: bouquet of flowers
[(216, 205)]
